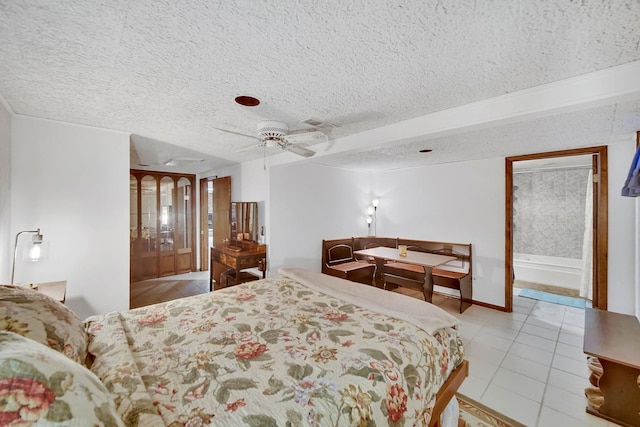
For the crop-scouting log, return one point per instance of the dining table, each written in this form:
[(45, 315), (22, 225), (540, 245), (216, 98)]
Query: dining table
[(382, 254)]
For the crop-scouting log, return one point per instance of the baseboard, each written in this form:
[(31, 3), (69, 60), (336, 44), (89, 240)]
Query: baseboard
[(480, 303)]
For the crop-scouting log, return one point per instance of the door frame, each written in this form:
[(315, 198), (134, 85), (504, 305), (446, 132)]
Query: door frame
[(221, 220), (204, 223), (600, 220)]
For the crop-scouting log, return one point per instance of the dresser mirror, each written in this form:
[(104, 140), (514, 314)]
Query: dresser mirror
[(244, 221)]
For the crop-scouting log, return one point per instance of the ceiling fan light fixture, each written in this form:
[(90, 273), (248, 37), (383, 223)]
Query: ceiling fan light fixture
[(272, 129), (271, 142), (247, 101)]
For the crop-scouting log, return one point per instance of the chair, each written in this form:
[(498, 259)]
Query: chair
[(338, 260), (456, 274), (405, 274)]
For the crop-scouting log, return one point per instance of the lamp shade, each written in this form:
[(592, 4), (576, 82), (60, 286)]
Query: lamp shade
[(34, 250)]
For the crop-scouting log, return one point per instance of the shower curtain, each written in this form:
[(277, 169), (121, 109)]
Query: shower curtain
[(586, 281)]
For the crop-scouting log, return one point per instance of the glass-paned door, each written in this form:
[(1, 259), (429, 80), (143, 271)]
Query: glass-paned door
[(134, 233), (144, 262), (162, 224), (183, 233), (149, 217), (167, 226)]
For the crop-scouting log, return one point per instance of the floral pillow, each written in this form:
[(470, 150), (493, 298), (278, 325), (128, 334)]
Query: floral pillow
[(34, 315), (39, 386)]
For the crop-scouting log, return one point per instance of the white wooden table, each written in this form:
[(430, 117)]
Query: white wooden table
[(424, 259)]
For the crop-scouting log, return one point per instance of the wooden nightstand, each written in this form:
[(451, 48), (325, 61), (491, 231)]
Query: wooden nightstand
[(55, 290)]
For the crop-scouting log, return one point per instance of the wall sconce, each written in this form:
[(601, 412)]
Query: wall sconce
[(34, 251), (374, 203)]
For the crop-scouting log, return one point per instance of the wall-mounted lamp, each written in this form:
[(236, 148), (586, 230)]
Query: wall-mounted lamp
[(34, 251), (374, 203)]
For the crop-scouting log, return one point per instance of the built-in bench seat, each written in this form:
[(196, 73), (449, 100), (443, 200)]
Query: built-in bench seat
[(338, 260), (456, 274)]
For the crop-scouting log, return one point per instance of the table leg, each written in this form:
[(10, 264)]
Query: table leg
[(378, 280), (427, 288), (619, 387)]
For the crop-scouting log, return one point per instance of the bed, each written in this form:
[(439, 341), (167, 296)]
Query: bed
[(299, 349)]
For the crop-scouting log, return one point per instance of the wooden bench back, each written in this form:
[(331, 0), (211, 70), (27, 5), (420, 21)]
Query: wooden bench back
[(373, 242), (462, 252), (337, 251)]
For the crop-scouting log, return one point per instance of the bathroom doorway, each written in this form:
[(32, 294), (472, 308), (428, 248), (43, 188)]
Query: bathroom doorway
[(552, 224), (556, 240)]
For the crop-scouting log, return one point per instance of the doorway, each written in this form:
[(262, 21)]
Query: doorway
[(525, 251)]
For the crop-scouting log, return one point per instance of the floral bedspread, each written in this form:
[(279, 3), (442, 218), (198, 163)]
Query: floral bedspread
[(272, 352)]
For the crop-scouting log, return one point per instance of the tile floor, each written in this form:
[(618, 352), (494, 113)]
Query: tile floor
[(527, 364)]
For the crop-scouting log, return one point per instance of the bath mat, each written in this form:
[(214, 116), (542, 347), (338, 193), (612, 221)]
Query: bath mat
[(552, 298)]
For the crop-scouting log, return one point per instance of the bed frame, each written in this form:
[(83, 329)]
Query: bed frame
[(447, 391)]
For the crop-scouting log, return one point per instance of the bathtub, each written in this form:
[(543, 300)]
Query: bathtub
[(548, 270)]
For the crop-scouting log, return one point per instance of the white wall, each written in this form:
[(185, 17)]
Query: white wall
[(72, 182), (251, 184), (5, 192), (637, 258), (310, 203), (622, 231), (459, 202)]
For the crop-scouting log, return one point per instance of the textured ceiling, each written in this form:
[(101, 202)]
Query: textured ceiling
[(168, 71)]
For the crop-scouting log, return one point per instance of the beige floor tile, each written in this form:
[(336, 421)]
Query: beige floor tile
[(529, 368), (520, 384), (511, 404)]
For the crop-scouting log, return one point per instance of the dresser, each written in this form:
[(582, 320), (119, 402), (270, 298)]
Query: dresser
[(236, 256), (614, 338)]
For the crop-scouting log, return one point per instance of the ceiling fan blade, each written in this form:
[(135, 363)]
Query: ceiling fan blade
[(314, 137), (251, 147), (237, 133), (299, 150)]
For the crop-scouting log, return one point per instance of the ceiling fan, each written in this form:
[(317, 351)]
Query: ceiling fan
[(273, 133)]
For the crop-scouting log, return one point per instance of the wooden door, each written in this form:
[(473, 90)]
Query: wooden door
[(221, 217)]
